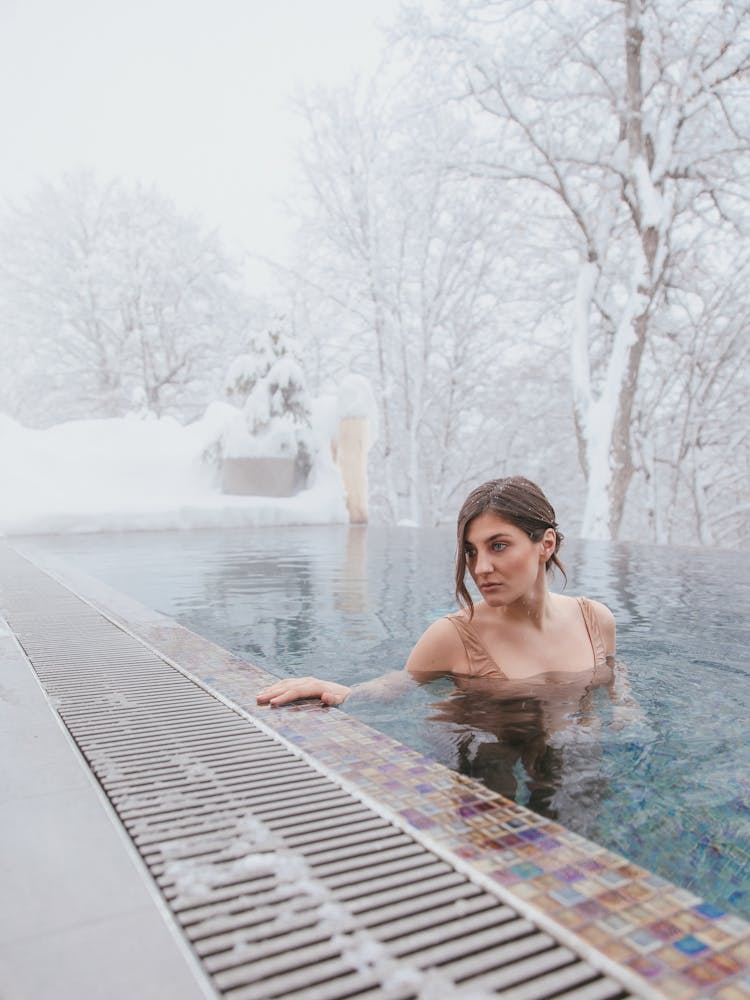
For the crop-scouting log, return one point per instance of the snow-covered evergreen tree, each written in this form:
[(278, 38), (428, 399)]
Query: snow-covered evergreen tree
[(269, 385)]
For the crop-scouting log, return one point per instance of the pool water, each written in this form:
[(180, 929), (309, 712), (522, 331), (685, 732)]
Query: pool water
[(664, 780)]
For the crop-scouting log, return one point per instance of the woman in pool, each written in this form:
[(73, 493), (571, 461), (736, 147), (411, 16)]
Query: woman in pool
[(520, 638)]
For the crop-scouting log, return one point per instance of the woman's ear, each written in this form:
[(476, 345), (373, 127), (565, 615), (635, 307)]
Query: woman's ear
[(548, 544)]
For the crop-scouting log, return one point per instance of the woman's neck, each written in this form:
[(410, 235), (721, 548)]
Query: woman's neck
[(533, 608)]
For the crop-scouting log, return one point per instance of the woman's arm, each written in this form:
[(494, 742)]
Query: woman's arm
[(330, 693), (438, 647)]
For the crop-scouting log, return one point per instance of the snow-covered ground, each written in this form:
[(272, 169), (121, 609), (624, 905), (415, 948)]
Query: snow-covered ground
[(136, 473)]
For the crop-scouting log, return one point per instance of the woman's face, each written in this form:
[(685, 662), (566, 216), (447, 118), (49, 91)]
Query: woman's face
[(503, 561)]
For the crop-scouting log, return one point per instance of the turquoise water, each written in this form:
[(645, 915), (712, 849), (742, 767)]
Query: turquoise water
[(665, 782)]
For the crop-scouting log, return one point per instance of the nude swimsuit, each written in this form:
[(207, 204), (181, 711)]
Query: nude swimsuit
[(481, 663)]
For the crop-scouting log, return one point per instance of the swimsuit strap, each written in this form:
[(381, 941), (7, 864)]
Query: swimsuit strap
[(595, 634), (479, 660)]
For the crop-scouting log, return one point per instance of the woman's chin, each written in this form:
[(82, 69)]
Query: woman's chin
[(494, 596)]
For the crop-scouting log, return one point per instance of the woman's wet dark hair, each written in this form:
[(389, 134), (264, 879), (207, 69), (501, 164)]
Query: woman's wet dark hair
[(518, 501)]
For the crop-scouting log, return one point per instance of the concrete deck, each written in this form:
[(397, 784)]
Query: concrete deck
[(79, 916), (82, 917)]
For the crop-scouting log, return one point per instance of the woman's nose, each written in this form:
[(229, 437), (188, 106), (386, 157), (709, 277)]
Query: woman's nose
[(483, 563)]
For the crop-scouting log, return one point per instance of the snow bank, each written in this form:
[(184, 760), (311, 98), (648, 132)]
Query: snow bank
[(135, 473)]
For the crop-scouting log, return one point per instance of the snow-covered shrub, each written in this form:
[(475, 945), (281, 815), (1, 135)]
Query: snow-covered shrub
[(269, 386)]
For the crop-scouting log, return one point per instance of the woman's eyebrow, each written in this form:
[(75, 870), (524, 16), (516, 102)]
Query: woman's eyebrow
[(490, 538)]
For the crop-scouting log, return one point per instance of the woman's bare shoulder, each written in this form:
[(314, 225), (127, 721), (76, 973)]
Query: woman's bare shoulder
[(439, 650)]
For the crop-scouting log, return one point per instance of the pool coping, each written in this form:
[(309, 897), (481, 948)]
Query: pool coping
[(662, 940)]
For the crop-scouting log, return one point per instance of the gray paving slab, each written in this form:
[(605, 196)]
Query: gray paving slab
[(123, 957), (79, 919), (34, 761)]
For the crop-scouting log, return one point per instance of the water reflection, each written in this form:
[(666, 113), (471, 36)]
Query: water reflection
[(539, 747), (351, 593), (667, 787)]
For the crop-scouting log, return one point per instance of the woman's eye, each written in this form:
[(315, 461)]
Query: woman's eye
[(469, 553), (498, 546)]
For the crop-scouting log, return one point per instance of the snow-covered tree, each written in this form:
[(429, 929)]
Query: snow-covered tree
[(623, 128), (414, 288), (267, 382), (692, 444), (114, 301)]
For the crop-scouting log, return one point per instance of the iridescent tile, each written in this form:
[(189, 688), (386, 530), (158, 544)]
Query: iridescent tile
[(619, 951), (611, 878), (595, 935), (532, 834), (548, 844), (546, 882), (527, 890), (527, 870), (690, 945), (615, 923), (715, 936), (591, 909), (570, 917), (734, 925), (505, 876), (613, 900), (630, 871), (590, 865), (636, 891), (485, 806), (567, 896), (685, 898), (419, 820), (660, 906), (672, 957), (688, 921), (665, 930), (492, 845), (569, 874), (529, 850), (638, 915), (644, 941), (647, 966)]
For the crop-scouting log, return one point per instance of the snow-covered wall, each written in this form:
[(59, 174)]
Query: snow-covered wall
[(133, 473)]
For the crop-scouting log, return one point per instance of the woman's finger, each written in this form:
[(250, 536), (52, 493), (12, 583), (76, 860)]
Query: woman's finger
[(293, 687)]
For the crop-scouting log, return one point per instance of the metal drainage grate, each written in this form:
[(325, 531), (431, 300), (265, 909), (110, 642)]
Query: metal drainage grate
[(285, 884)]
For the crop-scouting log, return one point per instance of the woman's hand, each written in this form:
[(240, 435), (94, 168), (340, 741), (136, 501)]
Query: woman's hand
[(293, 688)]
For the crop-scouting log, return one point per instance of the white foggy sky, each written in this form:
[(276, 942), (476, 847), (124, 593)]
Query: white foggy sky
[(189, 94)]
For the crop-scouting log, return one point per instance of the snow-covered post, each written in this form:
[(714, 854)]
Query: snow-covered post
[(355, 436)]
